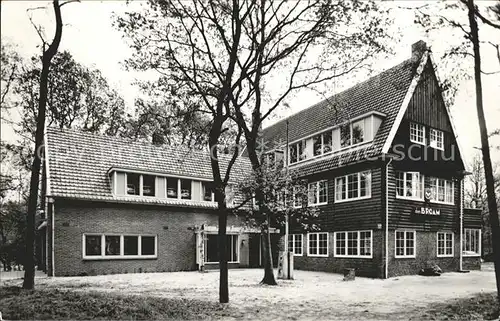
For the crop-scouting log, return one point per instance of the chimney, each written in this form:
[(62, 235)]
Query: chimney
[(418, 49)]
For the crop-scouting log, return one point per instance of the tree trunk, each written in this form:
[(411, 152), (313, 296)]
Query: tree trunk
[(488, 170), (223, 268), (29, 266), (268, 258)]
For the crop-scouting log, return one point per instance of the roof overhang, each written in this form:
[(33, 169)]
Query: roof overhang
[(155, 173)]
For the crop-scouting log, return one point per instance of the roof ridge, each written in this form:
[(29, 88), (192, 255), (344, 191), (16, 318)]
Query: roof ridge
[(339, 93)]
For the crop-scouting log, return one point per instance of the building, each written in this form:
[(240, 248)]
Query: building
[(118, 206), (383, 166)]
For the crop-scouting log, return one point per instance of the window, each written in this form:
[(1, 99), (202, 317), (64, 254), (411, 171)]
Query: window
[(317, 244), (405, 243), (353, 244), (417, 133), (318, 193), (172, 187), (322, 143), (436, 139), (352, 133), (211, 250), (471, 242), (444, 244), (353, 186), (185, 189), (148, 185), (133, 184), (442, 190), (297, 198), (208, 192), (295, 244), (409, 185), (111, 246), (297, 151)]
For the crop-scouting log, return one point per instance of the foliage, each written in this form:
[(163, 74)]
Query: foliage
[(53, 304), (12, 232), (11, 64), (285, 194), (78, 97)]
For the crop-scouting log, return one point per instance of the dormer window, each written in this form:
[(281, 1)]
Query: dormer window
[(417, 133), (133, 184), (185, 189), (148, 185), (172, 187), (322, 143), (297, 151), (436, 139), (352, 133)]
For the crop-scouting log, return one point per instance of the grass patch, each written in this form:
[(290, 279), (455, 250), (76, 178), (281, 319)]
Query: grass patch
[(54, 304), (479, 307)]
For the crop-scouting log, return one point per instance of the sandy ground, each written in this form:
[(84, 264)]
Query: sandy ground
[(312, 295)]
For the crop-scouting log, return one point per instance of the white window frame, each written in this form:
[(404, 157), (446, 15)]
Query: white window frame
[(417, 131), (335, 235), (420, 185), (231, 243), (436, 139), (308, 244), (444, 234), (322, 138), (435, 187), (405, 255), (292, 239), (478, 242), (122, 256), (300, 156), (202, 192), (345, 187), (317, 183)]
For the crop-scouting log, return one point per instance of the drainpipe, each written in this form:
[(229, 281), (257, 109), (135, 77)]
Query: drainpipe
[(460, 266), (386, 274)]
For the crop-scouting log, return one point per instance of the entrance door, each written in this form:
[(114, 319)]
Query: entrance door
[(254, 248)]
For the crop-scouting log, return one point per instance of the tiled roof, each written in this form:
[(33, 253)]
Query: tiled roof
[(382, 93), (78, 164)]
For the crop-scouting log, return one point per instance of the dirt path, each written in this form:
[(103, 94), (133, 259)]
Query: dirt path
[(312, 295)]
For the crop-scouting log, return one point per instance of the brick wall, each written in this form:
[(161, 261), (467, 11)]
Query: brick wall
[(426, 253), (369, 267), (173, 227)]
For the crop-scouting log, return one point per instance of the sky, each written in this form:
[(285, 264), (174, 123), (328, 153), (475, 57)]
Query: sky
[(90, 37)]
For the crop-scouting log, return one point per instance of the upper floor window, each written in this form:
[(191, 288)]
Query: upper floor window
[(208, 192), (352, 133), (142, 185), (442, 190), (318, 193), (409, 185), (322, 143), (353, 186), (172, 187), (133, 182), (436, 139), (417, 133), (297, 198), (297, 151)]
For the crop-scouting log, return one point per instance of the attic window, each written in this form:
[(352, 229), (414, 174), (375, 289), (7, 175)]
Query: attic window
[(417, 133), (352, 133), (436, 139), (148, 185), (133, 184)]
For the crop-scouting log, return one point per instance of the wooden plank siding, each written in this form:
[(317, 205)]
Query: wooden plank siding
[(472, 218), (361, 214), (401, 211), (427, 105)]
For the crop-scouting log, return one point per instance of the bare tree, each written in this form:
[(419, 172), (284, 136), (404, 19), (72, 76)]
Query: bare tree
[(48, 54), (485, 147)]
